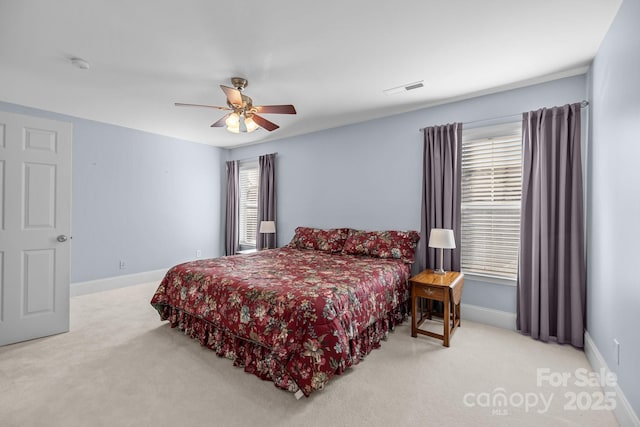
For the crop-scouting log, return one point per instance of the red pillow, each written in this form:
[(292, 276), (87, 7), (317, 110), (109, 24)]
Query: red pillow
[(320, 240), (383, 244)]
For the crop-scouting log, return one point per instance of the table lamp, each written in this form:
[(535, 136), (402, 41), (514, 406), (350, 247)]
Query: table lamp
[(441, 238), (267, 227)]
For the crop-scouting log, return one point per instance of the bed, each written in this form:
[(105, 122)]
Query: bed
[(297, 315)]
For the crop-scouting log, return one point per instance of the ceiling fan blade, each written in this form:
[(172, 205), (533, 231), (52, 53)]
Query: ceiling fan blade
[(264, 123), (180, 104), (233, 95), (221, 121), (276, 109)]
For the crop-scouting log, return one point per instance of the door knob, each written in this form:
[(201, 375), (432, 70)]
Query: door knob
[(61, 238)]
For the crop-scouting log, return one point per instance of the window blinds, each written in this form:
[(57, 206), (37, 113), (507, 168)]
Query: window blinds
[(491, 192), (248, 204)]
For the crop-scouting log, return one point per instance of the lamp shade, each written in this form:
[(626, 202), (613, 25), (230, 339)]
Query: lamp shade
[(442, 238), (267, 227)]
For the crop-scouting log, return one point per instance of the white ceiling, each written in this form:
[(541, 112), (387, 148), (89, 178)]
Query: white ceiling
[(332, 59)]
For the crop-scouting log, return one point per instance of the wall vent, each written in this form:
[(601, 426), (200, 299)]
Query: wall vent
[(414, 86), (404, 88)]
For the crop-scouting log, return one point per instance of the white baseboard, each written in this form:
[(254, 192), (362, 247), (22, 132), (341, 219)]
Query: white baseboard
[(92, 286), (624, 412), (488, 316)]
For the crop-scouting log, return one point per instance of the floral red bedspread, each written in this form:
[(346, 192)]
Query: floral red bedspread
[(296, 316)]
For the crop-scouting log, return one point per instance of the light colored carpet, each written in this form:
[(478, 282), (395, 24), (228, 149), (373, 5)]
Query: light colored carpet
[(121, 366)]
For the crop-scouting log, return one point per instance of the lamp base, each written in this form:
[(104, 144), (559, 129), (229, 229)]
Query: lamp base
[(441, 269)]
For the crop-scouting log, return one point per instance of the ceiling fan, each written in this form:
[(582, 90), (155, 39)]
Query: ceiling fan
[(244, 115)]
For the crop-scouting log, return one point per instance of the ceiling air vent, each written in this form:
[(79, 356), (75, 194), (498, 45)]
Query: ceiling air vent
[(403, 88)]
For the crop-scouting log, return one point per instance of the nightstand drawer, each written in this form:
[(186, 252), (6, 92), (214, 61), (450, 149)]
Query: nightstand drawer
[(430, 293)]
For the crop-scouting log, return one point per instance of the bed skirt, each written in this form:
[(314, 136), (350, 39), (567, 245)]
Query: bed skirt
[(262, 361)]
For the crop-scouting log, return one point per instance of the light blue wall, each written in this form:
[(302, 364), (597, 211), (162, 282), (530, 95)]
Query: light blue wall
[(613, 298), (147, 199), (368, 175)]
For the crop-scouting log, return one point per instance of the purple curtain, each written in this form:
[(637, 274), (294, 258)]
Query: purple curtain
[(266, 199), (441, 187), (233, 193), (551, 268)]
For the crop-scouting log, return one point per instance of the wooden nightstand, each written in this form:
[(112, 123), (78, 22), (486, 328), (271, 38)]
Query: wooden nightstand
[(437, 287)]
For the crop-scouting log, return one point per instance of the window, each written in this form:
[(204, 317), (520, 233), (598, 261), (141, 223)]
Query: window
[(248, 204), (491, 192)]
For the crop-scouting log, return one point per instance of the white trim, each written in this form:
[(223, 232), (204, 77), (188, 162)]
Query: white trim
[(108, 283), (623, 412), (490, 279), (488, 316)]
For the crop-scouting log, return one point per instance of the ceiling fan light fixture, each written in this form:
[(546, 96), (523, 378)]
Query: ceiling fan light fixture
[(233, 120), (250, 124), (234, 128)]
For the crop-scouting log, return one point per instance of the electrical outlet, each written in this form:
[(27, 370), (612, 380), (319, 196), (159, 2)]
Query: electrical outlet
[(123, 264), (616, 343), (198, 253)]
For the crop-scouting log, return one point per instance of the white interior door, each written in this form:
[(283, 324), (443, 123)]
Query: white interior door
[(35, 223)]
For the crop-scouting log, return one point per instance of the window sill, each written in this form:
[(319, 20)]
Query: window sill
[(490, 279), (247, 251)]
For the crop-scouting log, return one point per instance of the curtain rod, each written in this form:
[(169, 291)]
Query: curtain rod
[(250, 158), (583, 104)]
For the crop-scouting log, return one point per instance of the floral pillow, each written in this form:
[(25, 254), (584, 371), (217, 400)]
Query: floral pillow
[(320, 240), (383, 244)]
